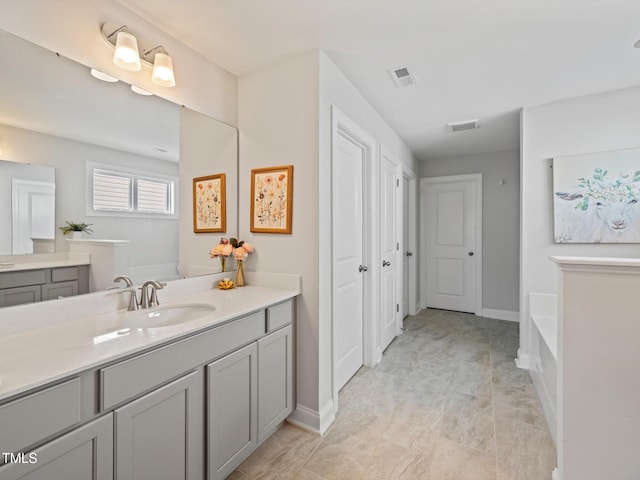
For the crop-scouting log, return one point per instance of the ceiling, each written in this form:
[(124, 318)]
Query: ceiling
[(473, 59)]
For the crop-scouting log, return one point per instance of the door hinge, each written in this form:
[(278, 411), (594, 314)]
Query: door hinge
[(397, 182), (397, 246), (397, 307)]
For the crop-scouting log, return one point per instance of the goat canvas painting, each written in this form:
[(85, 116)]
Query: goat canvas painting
[(596, 197)]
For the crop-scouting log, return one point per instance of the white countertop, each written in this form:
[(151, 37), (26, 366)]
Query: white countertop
[(35, 357), (19, 267), (37, 261)]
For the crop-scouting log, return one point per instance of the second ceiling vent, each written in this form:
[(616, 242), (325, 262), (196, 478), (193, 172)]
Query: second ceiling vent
[(464, 125), (403, 76)]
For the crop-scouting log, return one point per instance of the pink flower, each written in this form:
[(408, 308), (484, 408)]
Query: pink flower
[(224, 241), (248, 247), (240, 253), (227, 249), (217, 251)]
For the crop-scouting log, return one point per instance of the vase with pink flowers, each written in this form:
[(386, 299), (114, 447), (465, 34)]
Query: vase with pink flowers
[(222, 250), (241, 251)]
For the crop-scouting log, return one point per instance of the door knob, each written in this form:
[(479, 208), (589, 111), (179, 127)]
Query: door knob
[(470, 254), (386, 264), (409, 254), (362, 268)]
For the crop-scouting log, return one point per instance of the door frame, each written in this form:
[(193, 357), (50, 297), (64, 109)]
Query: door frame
[(424, 182), (384, 152), (414, 304), (343, 125)]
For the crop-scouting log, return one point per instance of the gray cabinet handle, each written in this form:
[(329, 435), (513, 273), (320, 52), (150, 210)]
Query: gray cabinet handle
[(409, 254), (363, 268), (470, 254), (386, 264)]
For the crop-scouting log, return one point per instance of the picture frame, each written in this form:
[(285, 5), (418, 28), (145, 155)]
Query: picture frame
[(210, 204), (272, 199), (596, 197)]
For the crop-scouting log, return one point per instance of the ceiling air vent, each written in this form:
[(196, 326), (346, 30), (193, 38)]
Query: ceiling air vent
[(465, 125), (402, 76)]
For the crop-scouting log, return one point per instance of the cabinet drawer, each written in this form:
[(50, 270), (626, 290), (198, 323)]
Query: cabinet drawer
[(19, 295), (35, 417), (64, 274), (279, 315), (22, 279), (145, 372), (60, 289)]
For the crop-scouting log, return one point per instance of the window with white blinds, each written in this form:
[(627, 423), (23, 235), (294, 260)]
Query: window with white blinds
[(112, 191), (115, 191)]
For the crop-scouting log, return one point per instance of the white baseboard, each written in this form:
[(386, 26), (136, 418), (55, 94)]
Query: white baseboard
[(507, 315), (523, 360), (311, 420), (555, 475)]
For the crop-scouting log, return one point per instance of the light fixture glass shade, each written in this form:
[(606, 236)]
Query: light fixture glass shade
[(163, 71), (126, 55), (140, 91), (103, 76)]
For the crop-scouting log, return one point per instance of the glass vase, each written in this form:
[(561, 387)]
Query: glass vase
[(240, 274), (223, 262)]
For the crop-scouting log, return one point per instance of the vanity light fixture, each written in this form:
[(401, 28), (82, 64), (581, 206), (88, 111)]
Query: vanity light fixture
[(127, 56)]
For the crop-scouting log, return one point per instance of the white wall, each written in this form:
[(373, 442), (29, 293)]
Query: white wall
[(594, 123), (153, 241), (278, 122), (284, 114), (72, 28), (500, 220)]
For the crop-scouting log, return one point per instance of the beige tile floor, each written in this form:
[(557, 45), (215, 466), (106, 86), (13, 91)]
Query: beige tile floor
[(446, 403)]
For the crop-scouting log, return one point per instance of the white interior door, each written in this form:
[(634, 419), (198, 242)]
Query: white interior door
[(406, 253), (389, 248), (32, 213), (348, 224), (453, 219)]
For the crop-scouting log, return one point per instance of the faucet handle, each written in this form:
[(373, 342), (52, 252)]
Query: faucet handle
[(133, 299)]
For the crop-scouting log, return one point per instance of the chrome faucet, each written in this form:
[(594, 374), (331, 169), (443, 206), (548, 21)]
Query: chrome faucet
[(133, 299), (125, 279), (146, 300)]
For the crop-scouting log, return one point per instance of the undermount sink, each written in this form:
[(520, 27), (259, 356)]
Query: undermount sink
[(169, 315)]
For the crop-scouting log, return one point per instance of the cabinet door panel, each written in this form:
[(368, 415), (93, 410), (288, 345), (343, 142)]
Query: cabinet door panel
[(83, 454), (19, 295), (275, 380), (232, 411), (160, 435), (52, 291)]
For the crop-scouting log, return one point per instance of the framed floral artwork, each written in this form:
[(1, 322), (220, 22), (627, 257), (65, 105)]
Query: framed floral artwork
[(271, 199), (209, 204)]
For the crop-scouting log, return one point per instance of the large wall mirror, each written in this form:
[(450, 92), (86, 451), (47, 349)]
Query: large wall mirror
[(55, 116)]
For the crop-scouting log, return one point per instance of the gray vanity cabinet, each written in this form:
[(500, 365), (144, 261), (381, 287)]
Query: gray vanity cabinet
[(160, 435), (275, 381), (29, 286), (85, 453), (232, 411), (156, 414)]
